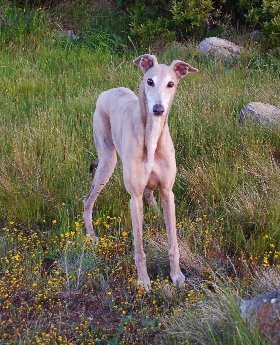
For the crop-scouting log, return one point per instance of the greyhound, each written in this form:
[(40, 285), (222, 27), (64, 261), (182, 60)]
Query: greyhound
[(136, 128)]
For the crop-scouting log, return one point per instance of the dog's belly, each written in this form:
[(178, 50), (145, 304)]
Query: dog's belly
[(153, 181)]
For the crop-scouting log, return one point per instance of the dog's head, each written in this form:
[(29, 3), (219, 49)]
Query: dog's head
[(160, 81)]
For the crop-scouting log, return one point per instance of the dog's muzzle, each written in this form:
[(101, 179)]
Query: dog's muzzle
[(158, 109)]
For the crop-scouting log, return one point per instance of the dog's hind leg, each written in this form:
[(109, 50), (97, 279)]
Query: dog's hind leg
[(107, 159), (151, 200), (103, 173)]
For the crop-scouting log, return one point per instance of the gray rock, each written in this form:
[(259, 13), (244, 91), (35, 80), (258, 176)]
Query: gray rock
[(70, 33), (255, 36), (219, 48), (263, 311), (262, 113), (3, 20)]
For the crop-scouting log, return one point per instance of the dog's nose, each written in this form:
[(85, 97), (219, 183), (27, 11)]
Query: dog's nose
[(158, 109)]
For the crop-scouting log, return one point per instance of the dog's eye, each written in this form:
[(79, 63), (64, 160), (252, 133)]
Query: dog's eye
[(170, 84), (150, 82)]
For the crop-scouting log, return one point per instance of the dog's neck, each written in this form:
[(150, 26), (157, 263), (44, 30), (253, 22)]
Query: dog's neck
[(153, 128)]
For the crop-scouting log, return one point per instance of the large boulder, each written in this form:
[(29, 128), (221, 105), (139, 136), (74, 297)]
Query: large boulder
[(264, 312), (262, 113), (219, 48)]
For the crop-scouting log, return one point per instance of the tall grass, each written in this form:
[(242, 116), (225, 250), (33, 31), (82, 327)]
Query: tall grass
[(217, 320)]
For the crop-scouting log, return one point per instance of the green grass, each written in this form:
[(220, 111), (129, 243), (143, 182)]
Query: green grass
[(227, 189)]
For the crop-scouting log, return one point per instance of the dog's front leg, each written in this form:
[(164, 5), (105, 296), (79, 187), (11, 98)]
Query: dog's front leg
[(136, 209), (167, 198)]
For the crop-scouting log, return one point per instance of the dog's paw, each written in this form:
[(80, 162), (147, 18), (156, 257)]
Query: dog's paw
[(178, 279), (93, 239), (145, 282)]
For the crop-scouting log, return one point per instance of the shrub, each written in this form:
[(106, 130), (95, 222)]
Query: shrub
[(151, 21), (248, 12), (190, 15), (271, 26)]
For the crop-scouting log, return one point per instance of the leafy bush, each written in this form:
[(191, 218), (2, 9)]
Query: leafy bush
[(271, 27), (190, 15), (152, 21), (152, 31)]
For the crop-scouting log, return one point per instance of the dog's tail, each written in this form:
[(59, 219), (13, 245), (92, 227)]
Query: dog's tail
[(93, 167)]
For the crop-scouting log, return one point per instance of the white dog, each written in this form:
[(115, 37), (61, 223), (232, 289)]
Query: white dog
[(137, 129)]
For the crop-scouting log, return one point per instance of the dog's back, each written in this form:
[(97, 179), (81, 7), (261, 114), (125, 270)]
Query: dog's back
[(115, 100), (115, 116)]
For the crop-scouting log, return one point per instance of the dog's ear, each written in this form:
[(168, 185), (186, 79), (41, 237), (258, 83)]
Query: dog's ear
[(145, 62), (181, 68)]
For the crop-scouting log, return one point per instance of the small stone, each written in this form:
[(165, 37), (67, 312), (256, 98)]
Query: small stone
[(264, 312), (3, 20), (219, 48), (255, 35), (70, 33), (262, 113)]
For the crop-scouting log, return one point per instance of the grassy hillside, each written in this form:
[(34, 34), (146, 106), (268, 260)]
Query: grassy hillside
[(55, 287)]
